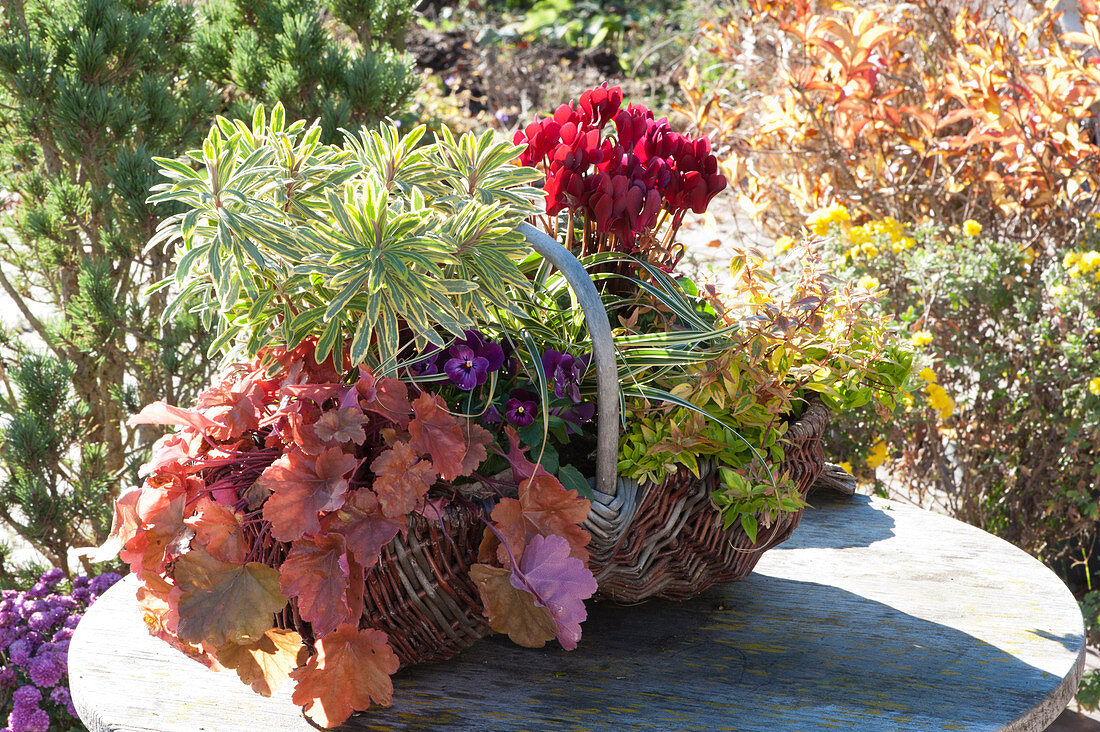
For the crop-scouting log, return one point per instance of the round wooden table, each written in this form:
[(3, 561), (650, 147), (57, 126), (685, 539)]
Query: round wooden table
[(874, 616)]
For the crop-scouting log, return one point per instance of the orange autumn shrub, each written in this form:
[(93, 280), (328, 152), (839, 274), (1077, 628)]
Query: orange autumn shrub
[(912, 112)]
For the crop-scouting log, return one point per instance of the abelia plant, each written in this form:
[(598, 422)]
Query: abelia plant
[(36, 625), (620, 188), (285, 483)]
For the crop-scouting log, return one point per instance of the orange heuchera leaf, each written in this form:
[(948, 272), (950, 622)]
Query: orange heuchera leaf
[(159, 600), (401, 479), (365, 529), (124, 526), (340, 426), (160, 535), (522, 468), (437, 433), (301, 487), (350, 672), (544, 508), (390, 399), (477, 439), (316, 573), (555, 511), (223, 602), (266, 663), (218, 530), (512, 611), (165, 414)]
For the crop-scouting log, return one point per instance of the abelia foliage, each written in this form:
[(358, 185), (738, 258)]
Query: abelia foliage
[(619, 183), (286, 482)]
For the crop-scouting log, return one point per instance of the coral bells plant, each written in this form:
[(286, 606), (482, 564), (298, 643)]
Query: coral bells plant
[(35, 627), (627, 185), (286, 482)]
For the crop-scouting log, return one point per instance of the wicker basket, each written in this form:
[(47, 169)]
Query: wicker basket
[(647, 540)]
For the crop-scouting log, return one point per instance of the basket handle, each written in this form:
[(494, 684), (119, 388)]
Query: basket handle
[(603, 352)]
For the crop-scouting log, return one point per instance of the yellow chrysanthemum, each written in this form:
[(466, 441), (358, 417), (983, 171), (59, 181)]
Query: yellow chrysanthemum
[(904, 243), (819, 220), (1029, 256), (971, 227), (1070, 260), (940, 400), (783, 243), (922, 338), (876, 456), (1058, 290), (859, 236), (867, 282), (928, 375), (1094, 386)]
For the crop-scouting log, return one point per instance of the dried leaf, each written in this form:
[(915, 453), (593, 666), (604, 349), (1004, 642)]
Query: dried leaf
[(218, 530), (316, 573), (437, 433), (365, 530), (265, 664), (401, 479), (301, 487), (512, 611), (223, 602), (350, 672), (560, 582)]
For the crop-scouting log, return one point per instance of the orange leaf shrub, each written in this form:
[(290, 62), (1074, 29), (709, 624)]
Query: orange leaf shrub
[(908, 112)]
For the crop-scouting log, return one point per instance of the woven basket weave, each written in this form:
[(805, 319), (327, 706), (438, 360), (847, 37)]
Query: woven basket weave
[(647, 540)]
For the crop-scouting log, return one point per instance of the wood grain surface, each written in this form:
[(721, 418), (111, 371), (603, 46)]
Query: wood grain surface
[(874, 616)]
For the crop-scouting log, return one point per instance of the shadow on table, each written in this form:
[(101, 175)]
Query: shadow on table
[(763, 654)]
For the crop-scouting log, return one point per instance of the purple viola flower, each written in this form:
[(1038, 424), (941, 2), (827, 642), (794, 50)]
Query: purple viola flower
[(429, 363), (575, 415), (492, 415), (465, 368), (491, 351), (520, 408), (565, 372)]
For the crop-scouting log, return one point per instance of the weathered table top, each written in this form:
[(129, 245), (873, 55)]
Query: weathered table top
[(873, 616)]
